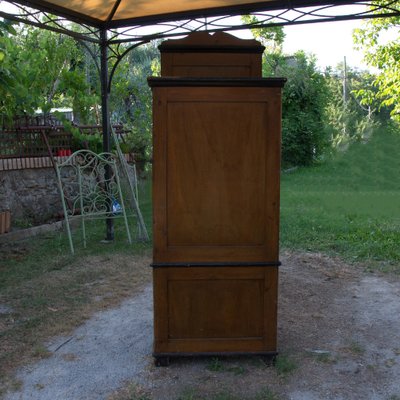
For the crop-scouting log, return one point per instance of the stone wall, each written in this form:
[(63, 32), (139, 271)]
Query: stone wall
[(30, 194)]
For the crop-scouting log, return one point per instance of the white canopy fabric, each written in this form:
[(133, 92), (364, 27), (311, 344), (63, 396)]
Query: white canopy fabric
[(122, 13)]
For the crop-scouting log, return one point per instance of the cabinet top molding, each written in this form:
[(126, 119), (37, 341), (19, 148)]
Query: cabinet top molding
[(204, 42)]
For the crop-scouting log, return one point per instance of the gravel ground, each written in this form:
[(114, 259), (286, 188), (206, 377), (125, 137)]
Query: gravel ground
[(99, 357), (338, 326)]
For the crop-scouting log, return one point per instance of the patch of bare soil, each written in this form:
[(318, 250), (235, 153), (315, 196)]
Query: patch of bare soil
[(16, 251), (56, 302), (339, 338)]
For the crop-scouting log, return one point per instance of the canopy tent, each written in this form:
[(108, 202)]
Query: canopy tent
[(110, 22), (124, 19), (121, 13)]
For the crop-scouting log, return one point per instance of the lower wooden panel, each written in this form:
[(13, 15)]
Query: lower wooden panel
[(215, 309)]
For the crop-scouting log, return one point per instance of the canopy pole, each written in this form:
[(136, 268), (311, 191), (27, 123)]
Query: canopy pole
[(105, 114)]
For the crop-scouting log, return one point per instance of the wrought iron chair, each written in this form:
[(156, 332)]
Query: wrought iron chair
[(90, 188)]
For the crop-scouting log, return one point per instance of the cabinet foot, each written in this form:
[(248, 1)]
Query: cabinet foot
[(161, 361)]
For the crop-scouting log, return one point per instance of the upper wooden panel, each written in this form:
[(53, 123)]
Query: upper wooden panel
[(203, 55)]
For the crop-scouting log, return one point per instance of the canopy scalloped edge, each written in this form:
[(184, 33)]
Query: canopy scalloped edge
[(109, 14)]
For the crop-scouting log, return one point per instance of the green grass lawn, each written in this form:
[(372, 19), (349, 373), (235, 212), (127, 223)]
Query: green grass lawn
[(348, 206)]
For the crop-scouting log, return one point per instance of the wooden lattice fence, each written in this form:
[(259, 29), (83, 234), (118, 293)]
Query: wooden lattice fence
[(34, 146)]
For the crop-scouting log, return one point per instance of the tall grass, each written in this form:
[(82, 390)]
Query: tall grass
[(349, 205)]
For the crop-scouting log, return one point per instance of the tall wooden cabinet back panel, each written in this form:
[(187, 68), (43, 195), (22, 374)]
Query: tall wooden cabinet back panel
[(216, 213)]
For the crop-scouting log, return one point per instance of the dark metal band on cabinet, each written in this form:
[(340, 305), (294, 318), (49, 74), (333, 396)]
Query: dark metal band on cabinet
[(271, 354), (217, 264), (215, 82)]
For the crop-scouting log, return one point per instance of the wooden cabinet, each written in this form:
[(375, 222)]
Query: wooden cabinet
[(216, 214)]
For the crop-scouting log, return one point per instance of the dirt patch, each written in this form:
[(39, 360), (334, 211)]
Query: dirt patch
[(60, 299), (339, 338)]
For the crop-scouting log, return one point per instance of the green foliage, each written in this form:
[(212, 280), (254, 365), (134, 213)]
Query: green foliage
[(81, 140), (356, 348), (237, 370), (224, 396), (42, 70), (266, 394), (78, 94), (7, 78), (139, 143), (6, 29), (93, 141), (316, 116), (215, 365), (43, 58), (272, 38), (135, 392), (384, 55), (304, 134), (192, 394), (325, 358), (131, 98), (349, 116), (285, 365), (130, 95)]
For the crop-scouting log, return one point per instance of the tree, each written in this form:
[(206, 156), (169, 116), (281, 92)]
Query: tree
[(40, 70), (385, 56), (349, 117), (131, 99), (304, 133), (272, 38), (7, 79)]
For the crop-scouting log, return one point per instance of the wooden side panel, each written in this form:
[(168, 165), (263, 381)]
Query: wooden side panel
[(209, 309), (216, 189)]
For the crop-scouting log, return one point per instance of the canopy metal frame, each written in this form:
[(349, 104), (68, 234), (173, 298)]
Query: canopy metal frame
[(111, 36), (137, 30)]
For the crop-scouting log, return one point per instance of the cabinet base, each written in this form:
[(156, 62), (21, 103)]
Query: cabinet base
[(164, 359), (215, 310)]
